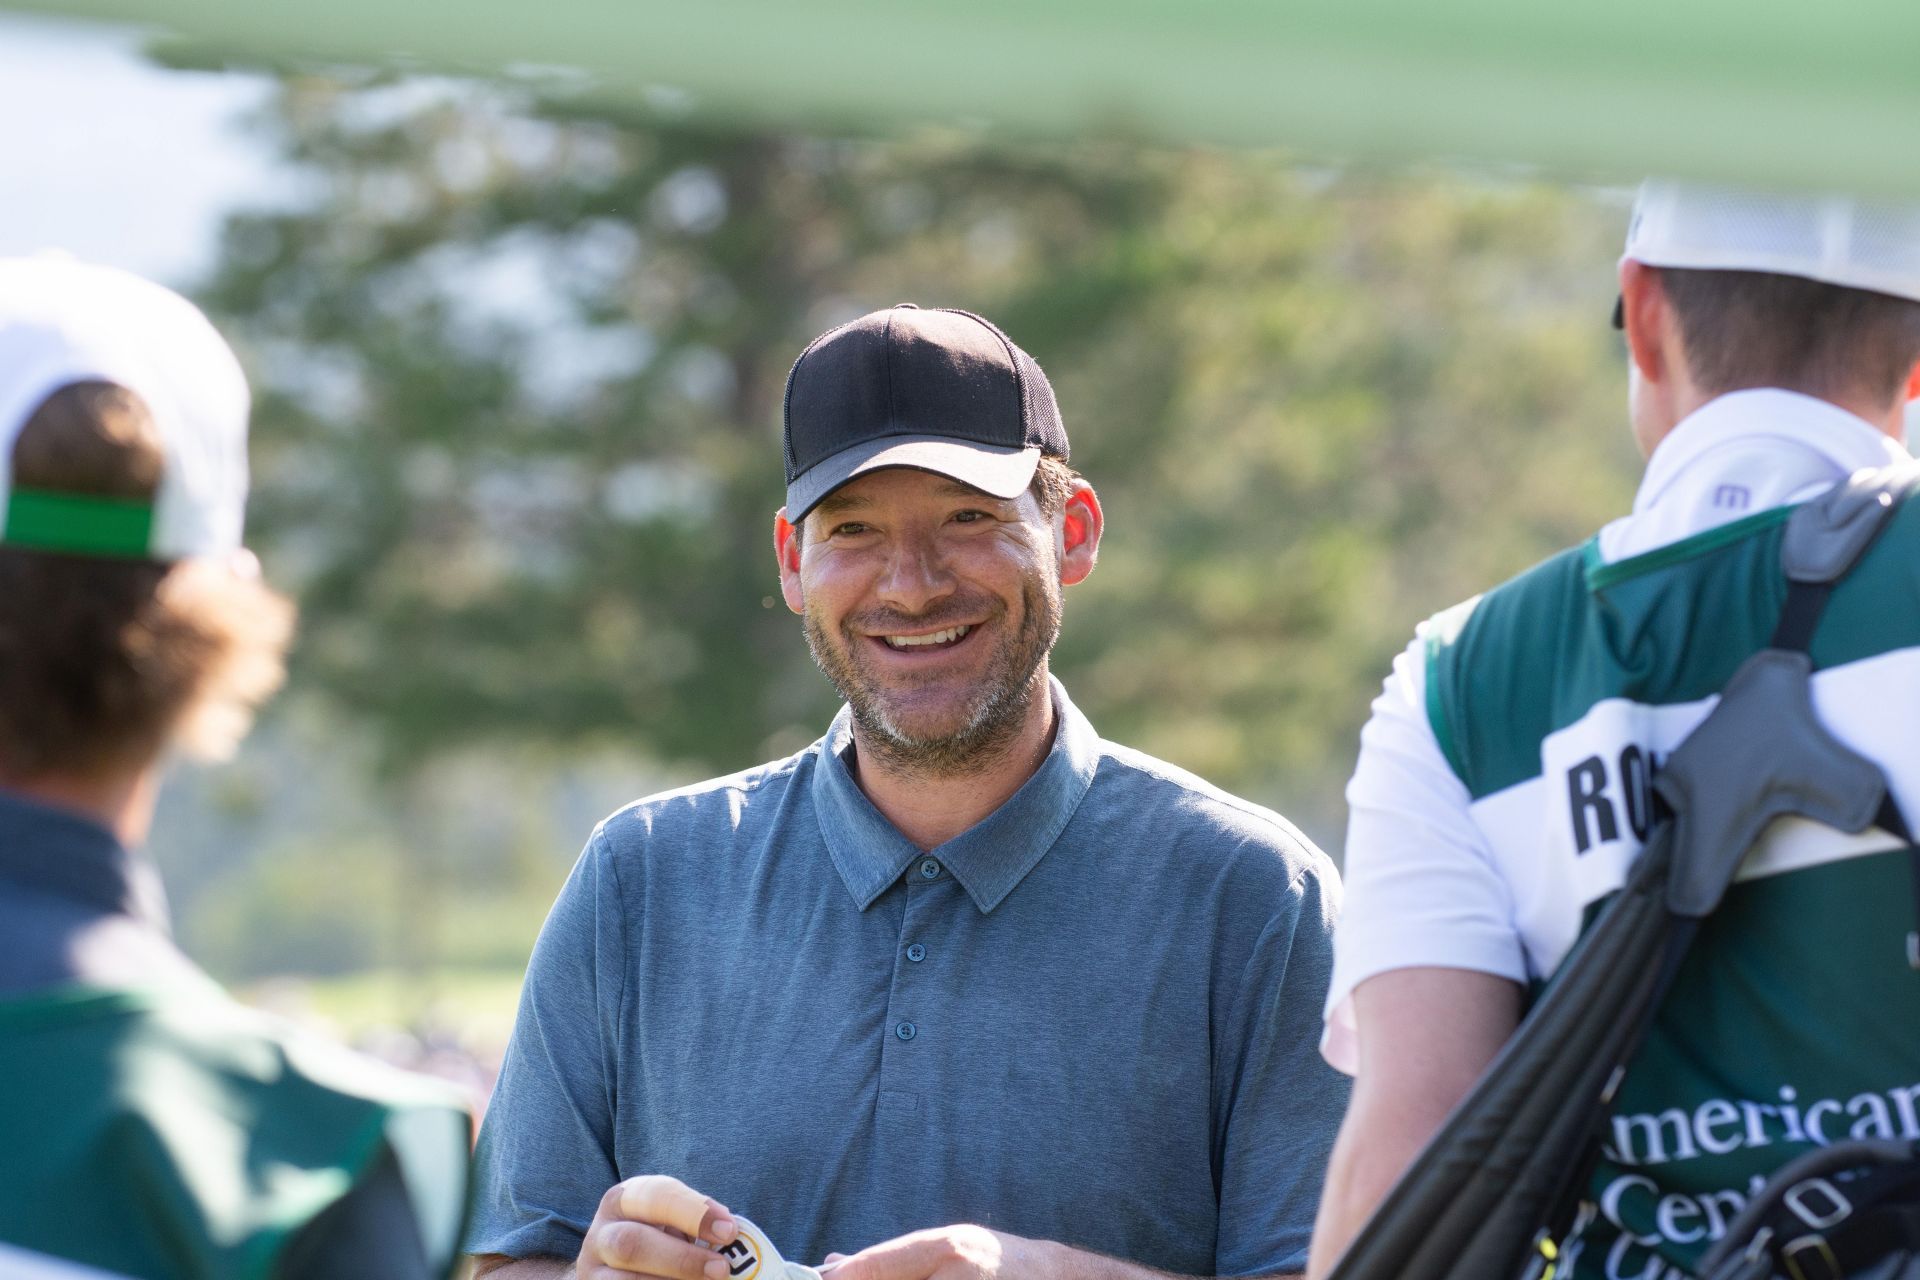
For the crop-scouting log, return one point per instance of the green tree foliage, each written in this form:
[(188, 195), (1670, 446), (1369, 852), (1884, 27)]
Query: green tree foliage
[(519, 376)]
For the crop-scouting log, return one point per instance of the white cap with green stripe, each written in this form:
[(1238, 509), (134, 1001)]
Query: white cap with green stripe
[(63, 322)]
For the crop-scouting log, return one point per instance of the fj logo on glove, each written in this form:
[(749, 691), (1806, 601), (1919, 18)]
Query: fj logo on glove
[(742, 1261), (751, 1256)]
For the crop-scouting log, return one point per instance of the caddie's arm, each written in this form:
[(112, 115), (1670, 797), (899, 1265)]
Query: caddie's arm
[(645, 1226), (976, 1253), (1424, 1036)]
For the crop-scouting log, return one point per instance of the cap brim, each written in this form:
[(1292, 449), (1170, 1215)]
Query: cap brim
[(1000, 471)]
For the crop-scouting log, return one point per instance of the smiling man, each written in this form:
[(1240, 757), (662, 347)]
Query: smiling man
[(961, 990)]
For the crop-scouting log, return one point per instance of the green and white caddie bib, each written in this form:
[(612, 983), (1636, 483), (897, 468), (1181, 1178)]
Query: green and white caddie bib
[(1796, 1021), (174, 1133)]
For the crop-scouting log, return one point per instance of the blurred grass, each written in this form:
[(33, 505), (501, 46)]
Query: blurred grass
[(474, 1006)]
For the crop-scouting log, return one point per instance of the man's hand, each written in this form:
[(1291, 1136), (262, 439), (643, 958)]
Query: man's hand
[(650, 1226), (948, 1253)]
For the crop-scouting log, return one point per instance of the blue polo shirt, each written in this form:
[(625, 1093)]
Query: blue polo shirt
[(1091, 1018)]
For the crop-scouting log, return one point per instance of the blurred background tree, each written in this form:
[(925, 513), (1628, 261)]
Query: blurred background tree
[(519, 373)]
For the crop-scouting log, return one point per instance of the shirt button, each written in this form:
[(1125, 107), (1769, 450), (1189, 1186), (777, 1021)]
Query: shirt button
[(916, 953), (929, 869), (906, 1031)]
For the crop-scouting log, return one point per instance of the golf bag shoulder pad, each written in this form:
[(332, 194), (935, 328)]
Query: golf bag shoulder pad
[(1762, 754), (1826, 536)]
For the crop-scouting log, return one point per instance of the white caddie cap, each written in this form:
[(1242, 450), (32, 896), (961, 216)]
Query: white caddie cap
[(1861, 243), (63, 322)]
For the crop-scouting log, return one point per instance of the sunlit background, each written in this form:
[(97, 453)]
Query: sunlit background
[(518, 368)]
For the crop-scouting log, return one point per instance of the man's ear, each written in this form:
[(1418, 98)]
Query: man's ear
[(1644, 308), (1081, 523), (1913, 383), (786, 550)]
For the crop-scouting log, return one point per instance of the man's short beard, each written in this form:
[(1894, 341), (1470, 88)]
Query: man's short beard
[(998, 708)]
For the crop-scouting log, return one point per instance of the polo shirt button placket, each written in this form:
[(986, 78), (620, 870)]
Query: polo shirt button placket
[(927, 870)]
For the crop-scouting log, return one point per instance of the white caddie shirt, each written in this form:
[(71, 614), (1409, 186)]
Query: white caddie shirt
[(1425, 884)]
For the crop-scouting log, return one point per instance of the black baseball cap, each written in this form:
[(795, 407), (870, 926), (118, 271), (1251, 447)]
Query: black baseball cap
[(937, 389)]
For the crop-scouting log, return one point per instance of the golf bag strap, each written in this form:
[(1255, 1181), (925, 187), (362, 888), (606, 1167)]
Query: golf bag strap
[(1824, 539), (1763, 752), (1806, 601)]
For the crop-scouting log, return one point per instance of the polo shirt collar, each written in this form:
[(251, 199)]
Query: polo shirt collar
[(989, 858), (1740, 454), (1829, 443), (51, 851)]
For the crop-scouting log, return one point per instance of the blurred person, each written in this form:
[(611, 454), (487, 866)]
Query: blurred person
[(961, 986), (153, 1127), (1503, 789)]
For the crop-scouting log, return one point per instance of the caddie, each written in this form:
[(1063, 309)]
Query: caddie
[(150, 1126), (962, 989), (1504, 785)]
